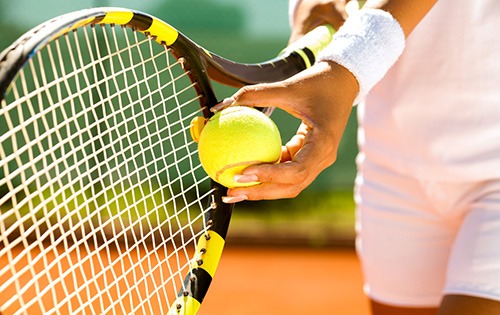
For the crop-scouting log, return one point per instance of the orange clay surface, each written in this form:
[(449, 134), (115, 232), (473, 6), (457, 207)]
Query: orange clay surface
[(275, 281), (261, 281)]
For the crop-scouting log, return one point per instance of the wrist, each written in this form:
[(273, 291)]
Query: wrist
[(338, 76), (367, 45)]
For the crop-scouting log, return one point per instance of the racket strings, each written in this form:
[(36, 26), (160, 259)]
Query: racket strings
[(101, 197)]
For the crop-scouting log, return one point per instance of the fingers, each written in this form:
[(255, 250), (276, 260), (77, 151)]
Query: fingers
[(291, 148), (288, 179), (321, 97), (269, 190), (310, 14), (284, 180), (251, 96), (275, 94)]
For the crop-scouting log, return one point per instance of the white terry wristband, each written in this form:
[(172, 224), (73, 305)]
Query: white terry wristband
[(368, 44)]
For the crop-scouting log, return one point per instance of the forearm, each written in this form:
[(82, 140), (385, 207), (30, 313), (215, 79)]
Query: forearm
[(321, 96), (307, 14), (371, 40), (407, 12)]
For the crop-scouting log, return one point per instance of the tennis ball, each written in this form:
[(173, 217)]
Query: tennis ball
[(234, 139)]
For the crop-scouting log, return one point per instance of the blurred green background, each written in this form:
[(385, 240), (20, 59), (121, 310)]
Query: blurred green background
[(245, 31)]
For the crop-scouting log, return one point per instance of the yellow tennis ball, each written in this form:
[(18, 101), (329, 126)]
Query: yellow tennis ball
[(234, 139)]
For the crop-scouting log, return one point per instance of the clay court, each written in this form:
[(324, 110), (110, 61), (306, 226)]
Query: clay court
[(275, 281)]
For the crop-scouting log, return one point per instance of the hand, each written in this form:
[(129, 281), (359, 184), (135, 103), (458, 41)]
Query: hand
[(322, 98), (312, 13)]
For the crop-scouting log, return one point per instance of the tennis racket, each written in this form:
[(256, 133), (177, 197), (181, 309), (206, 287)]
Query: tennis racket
[(104, 207)]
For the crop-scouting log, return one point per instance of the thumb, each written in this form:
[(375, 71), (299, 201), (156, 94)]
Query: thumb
[(259, 95)]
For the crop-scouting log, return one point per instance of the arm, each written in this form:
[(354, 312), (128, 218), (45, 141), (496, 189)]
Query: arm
[(321, 97), (407, 12)]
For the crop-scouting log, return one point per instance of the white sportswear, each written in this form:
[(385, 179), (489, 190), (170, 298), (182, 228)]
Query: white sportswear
[(436, 113), (428, 189)]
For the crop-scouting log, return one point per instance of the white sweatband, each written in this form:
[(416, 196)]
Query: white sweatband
[(367, 44)]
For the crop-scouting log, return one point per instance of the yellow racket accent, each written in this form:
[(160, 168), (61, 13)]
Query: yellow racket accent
[(209, 252), (189, 306), (197, 125), (74, 27), (117, 17), (315, 41), (82, 23), (210, 246), (304, 57), (202, 252), (163, 32)]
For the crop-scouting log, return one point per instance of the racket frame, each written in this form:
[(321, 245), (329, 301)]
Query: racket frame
[(200, 65)]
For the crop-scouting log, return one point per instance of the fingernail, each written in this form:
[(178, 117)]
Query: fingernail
[(234, 199), (225, 103), (243, 179)]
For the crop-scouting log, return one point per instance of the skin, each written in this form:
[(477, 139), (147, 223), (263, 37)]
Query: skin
[(322, 98)]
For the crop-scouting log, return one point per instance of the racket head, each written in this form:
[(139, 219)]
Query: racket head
[(65, 89), (36, 95)]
